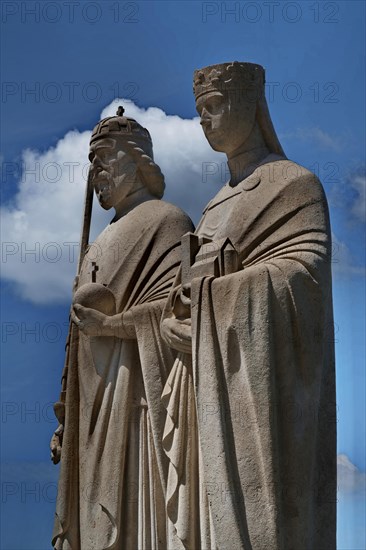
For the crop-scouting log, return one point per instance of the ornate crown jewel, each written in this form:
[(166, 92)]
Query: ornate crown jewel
[(228, 76), (119, 126)]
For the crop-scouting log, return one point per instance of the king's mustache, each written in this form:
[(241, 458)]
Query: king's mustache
[(99, 173), (98, 170)]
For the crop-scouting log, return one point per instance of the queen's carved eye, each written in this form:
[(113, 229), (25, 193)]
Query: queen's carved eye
[(213, 105)]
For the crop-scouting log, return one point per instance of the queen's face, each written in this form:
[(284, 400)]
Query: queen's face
[(227, 119), (113, 172)]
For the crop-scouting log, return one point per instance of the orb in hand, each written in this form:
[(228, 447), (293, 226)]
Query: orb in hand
[(96, 296)]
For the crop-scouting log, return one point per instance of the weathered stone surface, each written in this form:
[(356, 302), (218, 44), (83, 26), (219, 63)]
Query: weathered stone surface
[(96, 296), (250, 428), (113, 468), (197, 409)]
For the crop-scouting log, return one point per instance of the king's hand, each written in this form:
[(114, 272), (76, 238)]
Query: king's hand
[(56, 444), (92, 322)]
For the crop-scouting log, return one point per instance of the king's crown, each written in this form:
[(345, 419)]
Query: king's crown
[(119, 126)]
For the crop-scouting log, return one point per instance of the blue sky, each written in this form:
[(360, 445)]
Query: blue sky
[(62, 66)]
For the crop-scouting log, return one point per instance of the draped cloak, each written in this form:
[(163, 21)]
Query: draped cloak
[(251, 429), (113, 470)]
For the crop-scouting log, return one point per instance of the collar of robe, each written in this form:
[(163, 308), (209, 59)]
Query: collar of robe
[(247, 184)]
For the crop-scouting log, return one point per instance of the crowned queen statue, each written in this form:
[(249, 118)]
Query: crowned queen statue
[(251, 431)]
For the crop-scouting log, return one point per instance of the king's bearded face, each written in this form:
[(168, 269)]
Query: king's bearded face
[(113, 172), (227, 119)]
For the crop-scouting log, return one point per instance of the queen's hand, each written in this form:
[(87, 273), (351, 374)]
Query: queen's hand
[(178, 334)]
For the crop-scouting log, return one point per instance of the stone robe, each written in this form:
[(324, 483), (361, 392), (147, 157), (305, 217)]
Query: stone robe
[(251, 427), (113, 469)]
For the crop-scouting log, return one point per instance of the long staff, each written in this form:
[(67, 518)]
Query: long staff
[(85, 231), (59, 406)]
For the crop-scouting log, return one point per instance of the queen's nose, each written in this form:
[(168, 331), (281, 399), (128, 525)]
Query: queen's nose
[(205, 117), (205, 113)]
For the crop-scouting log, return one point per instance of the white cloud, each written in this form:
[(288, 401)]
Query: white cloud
[(349, 195), (317, 136), (358, 184), (41, 225), (343, 261), (349, 478)]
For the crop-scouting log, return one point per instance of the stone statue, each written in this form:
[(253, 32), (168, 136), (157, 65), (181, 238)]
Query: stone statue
[(113, 468), (250, 428)]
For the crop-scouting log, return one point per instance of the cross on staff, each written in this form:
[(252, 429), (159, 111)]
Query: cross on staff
[(95, 268)]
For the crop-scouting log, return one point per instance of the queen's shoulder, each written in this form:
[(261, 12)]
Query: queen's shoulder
[(290, 178), (284, 172)]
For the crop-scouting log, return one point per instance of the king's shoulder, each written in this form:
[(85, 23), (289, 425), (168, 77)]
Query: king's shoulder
[(159, 212)]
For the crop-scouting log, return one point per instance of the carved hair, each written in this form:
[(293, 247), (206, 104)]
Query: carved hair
[(148, 170)]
